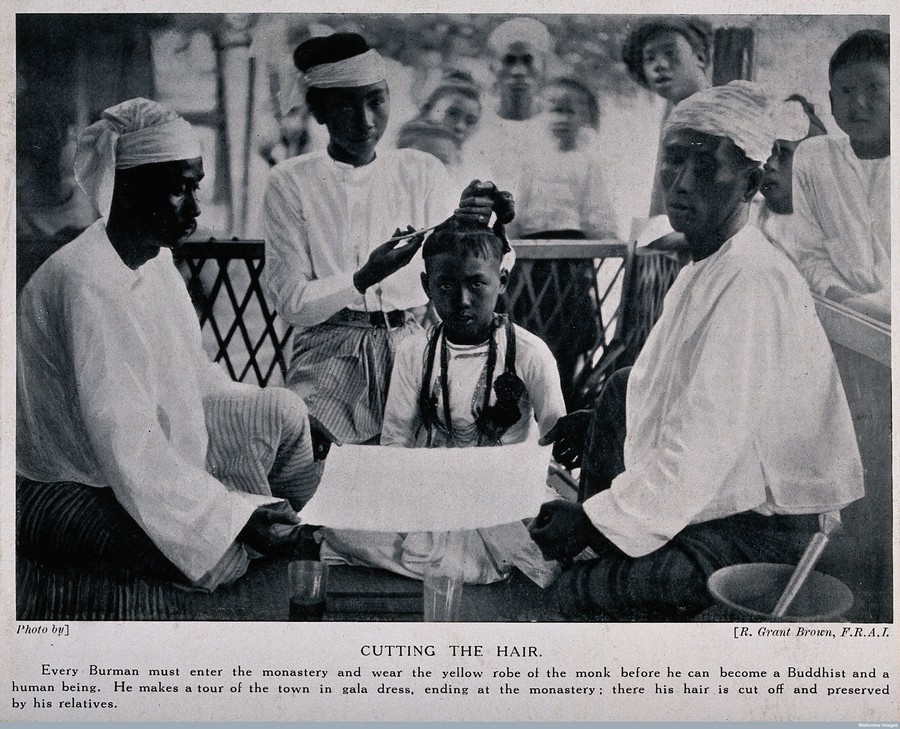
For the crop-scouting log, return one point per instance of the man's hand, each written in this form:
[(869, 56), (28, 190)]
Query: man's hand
[(271, 530), (568, 437), (386, 259), (561, 529), (476, 202)]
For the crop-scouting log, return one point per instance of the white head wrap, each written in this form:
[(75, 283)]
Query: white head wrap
[(133, 133), (529, 31), (362, 70), (790, 121), (738, 110)]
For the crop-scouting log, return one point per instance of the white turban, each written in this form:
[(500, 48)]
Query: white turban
[(790, 121), (133, 133), (738, 110), (362, 70), (529, 31)]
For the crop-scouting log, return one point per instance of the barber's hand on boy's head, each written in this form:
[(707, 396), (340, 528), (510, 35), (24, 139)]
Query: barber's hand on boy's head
[(561, 529), (476, 202), (568, 437), (387, 258)]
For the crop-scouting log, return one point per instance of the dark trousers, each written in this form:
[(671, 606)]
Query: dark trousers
[(669, 583)]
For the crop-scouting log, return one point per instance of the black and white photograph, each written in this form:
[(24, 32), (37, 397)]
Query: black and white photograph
[(556, 322)]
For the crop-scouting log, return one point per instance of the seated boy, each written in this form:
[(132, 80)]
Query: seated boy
[(475, 379), (841, 221)]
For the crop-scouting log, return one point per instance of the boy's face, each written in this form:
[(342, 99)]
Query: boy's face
[(355, 119), (673, 69), (565, 118), (861, 102), (457, 112), (777, 184), (464, 290)]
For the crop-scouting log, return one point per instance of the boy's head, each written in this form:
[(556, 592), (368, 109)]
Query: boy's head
[(347, 92), (794, 119), (463, 278), (572, 105), (455, 104), (431, 137), (669, 55), (859, 74)]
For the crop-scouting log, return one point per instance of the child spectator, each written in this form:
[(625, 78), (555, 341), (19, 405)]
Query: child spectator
[(563, 195), (474, 379), (669, 55), (841, 221)]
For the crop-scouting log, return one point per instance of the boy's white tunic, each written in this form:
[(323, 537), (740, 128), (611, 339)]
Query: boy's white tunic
[(841, 223), (734, 404), (488, 553), (324, 218), (111, 380)]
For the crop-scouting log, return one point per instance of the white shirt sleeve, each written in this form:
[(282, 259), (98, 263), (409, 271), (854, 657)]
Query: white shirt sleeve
[(401, 414), (671, 481), (806, 234), (193, 518), (540, 374), (301, 298)]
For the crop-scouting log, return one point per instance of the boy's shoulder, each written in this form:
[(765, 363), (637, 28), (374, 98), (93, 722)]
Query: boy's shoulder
[(413, 160), (529, 343)]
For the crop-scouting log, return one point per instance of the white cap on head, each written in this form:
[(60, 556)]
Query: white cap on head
[(789, 120), (529, 31), (134, 133), (738, 110), (362, 70)]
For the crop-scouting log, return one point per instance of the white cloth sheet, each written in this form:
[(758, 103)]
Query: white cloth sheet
[(111, 378), (734, 404), (381, 489), (324, 218)]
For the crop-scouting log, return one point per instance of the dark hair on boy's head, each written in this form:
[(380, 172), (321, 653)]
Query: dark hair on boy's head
[(697, 32), (576, 84), (452, 86), (862, 46), (816, 125), (328, 49), (463, 238)]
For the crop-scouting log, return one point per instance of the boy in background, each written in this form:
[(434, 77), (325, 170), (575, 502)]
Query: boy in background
[(841, 221)]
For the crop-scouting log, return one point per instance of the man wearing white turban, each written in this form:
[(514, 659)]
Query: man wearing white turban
[(121, 417), (732, 429), (335, 264)]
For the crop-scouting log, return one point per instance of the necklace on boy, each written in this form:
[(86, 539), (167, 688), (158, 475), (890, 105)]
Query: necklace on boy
[(493, 420)]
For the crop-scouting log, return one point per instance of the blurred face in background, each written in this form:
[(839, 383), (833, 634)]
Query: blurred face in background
[(457, 112), (566, 116), (672, 67), (519, 74)]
